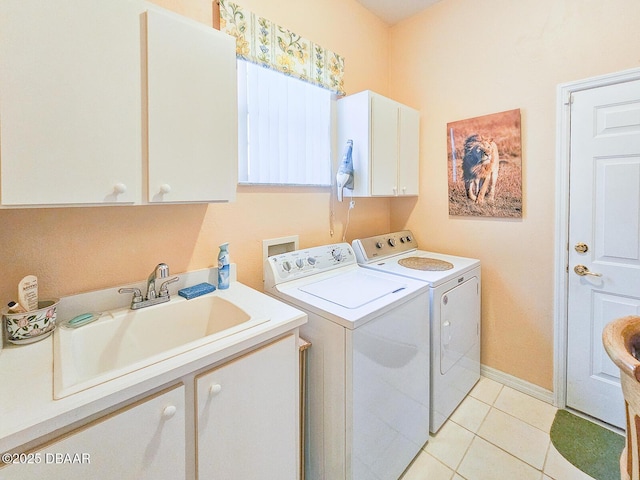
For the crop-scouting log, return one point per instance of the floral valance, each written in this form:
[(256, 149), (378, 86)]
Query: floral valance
[(261, 41)]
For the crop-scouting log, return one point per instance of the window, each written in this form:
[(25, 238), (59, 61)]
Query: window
[(284, 130)]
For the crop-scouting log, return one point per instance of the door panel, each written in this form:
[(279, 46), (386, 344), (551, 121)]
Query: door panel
[(409, 156), (616, 204), (70, 84), (459, 331), (192, 111), (384, 146), (604, 207)]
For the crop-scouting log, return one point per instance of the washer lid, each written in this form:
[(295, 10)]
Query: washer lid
[(353, 289)]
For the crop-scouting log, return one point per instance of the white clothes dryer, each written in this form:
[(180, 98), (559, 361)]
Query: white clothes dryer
[(454, 285), (367, 412)]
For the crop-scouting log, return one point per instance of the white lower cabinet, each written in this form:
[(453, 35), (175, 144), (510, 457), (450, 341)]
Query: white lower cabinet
[(247, 416), (247, 421), (145, 441)]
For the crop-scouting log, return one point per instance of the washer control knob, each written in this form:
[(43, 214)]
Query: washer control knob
[(300, 262), (379, 244), (311, 261), (403, 239), (286, 266), (409, 239), (337, 254), (392, 242)]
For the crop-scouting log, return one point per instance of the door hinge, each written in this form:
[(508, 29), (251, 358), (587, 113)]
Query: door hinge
[(568, 99)]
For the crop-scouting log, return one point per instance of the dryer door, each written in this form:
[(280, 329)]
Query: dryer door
[(459, 323)]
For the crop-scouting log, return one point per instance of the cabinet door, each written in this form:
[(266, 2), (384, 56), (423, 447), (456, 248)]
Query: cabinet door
[(384, 146), (70, 110), (192, 111), (409, 151), (248, 416), (143, 442)]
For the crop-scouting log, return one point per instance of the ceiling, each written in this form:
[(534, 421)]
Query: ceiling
[(392, 11)]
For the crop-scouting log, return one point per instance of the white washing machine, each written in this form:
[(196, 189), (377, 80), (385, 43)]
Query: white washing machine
[(367, 412), (454, 285)]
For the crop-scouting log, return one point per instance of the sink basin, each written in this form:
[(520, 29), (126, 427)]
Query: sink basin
[(122, 341)]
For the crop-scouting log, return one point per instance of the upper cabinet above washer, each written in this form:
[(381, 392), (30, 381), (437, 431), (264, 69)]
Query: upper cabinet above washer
[(386, 137), (114, 102)]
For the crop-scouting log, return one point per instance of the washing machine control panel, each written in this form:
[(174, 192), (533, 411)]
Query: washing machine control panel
[(300, 263)]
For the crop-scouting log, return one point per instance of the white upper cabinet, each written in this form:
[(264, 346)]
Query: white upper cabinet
[(70, 102), (114, 102), (192, 111), (385, 137), (408, 151)]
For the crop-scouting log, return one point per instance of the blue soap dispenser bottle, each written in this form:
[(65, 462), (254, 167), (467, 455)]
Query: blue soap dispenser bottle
[(223, 266)]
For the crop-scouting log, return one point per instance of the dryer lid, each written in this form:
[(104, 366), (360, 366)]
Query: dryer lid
[(353, 289)]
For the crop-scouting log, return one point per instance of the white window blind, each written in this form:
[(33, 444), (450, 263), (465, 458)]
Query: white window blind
[(284, 128)]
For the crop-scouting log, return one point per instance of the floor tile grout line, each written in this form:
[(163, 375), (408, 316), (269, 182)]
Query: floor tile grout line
[(546, 459), (521, 419), (477, 435), (513, 456)]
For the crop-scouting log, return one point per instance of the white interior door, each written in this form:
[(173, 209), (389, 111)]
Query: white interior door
[(604, 240)]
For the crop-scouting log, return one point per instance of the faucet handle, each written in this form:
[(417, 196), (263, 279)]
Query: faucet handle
[(164, 289), (137, 294)]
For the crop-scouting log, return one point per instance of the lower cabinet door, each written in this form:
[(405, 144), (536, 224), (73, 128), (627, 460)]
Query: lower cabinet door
[(145, 441), (248, 416)]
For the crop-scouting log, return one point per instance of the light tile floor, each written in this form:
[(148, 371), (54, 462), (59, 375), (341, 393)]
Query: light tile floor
[(497, 433)]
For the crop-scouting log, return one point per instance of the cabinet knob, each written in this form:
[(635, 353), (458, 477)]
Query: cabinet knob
[(165, 188), (169, 412), (215, 389), (119, 188), (395, 190)]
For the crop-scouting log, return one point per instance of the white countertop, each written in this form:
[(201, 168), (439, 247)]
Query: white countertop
[(28, 410)]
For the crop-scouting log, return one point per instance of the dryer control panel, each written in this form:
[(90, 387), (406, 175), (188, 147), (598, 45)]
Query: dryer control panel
[(372, 249), (309, 261)]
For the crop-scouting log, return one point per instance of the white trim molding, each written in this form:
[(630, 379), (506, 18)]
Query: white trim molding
[(563, 155), (517, 384)]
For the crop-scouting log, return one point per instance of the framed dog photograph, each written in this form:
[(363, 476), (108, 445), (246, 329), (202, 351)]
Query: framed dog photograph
[(485, 166)]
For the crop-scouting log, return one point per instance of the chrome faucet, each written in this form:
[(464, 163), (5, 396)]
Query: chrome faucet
[(161, 271), (152, 297)]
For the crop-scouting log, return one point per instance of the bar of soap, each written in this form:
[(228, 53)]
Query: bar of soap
[(82, 319), (196, 290)]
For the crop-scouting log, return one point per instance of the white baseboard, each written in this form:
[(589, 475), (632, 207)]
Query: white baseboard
[(517, 384)]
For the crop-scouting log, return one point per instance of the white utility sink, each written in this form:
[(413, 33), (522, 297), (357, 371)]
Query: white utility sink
[(123, 340)]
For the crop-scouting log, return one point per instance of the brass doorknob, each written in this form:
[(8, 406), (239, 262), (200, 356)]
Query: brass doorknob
[(581, 247), (583, 271)]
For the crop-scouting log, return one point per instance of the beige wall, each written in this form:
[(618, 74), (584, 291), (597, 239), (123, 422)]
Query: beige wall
[(80, 249), (464, 58), (458, 59)]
